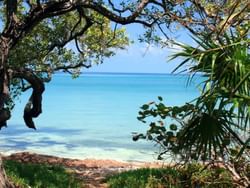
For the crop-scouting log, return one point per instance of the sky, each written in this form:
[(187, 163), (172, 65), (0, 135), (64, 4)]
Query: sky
[(140, 57)]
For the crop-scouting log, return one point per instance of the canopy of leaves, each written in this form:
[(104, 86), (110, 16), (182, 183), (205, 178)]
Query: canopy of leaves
[(47, 50)]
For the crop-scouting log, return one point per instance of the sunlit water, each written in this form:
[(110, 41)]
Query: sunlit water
[(94, 116)]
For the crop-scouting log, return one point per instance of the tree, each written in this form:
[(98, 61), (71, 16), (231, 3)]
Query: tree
[(213, 125), (218, 119), (38, 50)]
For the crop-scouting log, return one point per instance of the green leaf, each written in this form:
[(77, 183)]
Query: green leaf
[(145, 107), (160, 98), (173, 127)]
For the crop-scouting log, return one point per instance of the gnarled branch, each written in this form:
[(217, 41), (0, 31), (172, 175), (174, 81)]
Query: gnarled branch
[(33, 107)]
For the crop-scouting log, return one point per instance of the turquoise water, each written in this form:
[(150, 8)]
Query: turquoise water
[(94, 115)]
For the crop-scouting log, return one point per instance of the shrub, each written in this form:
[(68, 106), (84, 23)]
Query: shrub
[(191, 176)]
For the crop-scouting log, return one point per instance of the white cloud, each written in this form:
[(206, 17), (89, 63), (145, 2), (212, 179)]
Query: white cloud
[(142, 50), (153, 50)]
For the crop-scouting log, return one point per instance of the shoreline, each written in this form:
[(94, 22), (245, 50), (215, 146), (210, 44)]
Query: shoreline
[(94, 156), (92, 172), (34, 157)]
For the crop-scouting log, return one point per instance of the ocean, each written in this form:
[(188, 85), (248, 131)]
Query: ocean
[(94, 115)]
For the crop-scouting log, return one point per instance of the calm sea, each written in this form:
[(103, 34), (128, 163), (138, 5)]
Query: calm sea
[(94, 115)]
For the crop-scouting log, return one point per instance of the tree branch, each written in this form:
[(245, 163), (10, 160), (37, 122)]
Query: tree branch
[(66, 68), (120, 11), (33, 107), (11, 9), (72, 36), (119, 19)]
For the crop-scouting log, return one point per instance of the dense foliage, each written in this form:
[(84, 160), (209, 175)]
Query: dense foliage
[(215, 126), (219, 118)]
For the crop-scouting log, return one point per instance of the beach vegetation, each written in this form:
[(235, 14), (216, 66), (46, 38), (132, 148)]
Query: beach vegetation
[(216, 119), (191, 175), (26, 175)]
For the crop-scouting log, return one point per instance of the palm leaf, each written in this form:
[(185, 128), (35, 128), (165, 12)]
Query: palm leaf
[(225, 64)]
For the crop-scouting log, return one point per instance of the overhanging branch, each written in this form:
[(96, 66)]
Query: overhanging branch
[(33, 107), (73, 35)]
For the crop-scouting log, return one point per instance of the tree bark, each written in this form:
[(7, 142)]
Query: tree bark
[(4, 81), (33, 107), (4, 95), (4, 182)]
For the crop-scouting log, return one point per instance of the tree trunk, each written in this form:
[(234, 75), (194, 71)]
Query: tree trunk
[(4, 94), (4, 81), (4, 182)]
